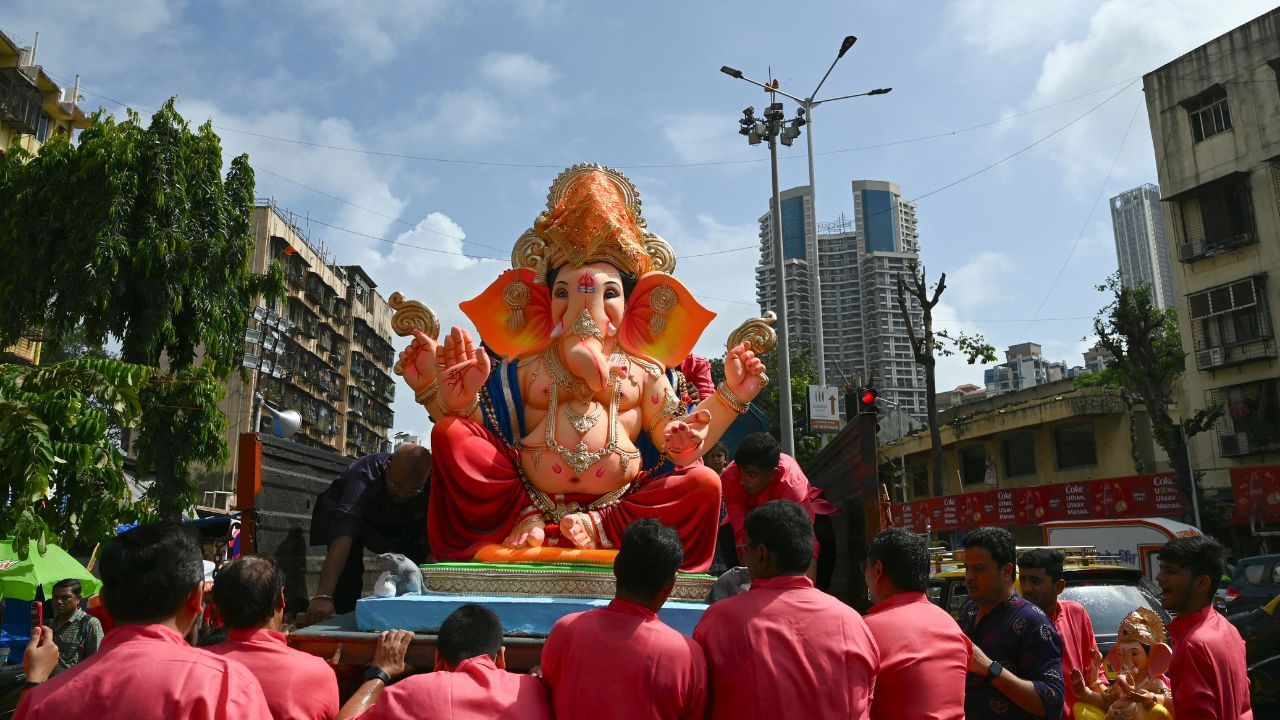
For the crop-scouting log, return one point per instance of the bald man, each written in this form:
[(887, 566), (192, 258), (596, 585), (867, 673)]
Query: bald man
[(378, 504)]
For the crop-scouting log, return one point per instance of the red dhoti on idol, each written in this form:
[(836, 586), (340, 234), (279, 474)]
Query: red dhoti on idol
[(478, 496)]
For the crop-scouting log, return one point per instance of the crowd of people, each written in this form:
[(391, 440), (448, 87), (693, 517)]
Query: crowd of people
[(781, 648), (770, 644)]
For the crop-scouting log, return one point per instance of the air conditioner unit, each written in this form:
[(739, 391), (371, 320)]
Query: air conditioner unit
[(1210, 357), (1234, 444)]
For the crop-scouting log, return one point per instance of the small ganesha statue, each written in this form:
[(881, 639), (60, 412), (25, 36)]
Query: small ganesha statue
[(1140, 659)]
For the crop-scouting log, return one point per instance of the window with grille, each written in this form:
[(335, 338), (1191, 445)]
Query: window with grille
[(1209, 113), (1019, 455), (1231, 323), (1217, 218), (1250, 420)]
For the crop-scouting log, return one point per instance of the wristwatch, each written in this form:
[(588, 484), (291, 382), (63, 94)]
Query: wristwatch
[(994, 670), (377, 673)]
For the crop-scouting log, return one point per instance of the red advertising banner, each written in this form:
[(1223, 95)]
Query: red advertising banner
[(1124, 497), (1257, 493)]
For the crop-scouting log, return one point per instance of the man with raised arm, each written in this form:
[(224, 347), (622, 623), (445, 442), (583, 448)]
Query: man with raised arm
[(470, 681), (653, 672), (153, 584)]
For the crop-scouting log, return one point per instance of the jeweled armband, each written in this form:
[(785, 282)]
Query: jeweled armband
[(729, 398), (466, 411)]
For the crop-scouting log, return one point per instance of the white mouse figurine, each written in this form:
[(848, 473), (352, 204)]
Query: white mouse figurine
[(385, 585)]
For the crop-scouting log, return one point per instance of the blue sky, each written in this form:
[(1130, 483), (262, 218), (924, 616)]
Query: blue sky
[(521, 90)]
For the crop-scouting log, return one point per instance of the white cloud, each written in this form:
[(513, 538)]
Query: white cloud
[(517, 73), (374, 31), (540, 13), (1124, 39), (64, 25), (703, 137), (979, 282), (997, 27)]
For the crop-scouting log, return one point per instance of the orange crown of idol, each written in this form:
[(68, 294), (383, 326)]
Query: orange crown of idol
[(593, 215), (1141, 626)]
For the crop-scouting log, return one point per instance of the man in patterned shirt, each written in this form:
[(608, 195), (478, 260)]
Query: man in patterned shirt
[(1016, 668), (77, 633)]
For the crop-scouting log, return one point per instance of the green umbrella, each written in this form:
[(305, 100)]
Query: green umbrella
[(20, 578)]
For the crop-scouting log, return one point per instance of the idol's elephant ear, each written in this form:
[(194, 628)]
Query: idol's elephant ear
[(1159, 658), (663, 320), (513, 314)]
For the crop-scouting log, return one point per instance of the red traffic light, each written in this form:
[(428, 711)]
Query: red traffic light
[(868, 397)]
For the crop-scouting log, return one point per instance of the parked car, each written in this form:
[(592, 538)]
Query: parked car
[(1264, 687), (1260, 628), (1108, 593), (1254, 583)]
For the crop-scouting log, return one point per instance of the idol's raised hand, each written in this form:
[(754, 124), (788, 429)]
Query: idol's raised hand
[(744, 372), (418, 361), (464, 369)]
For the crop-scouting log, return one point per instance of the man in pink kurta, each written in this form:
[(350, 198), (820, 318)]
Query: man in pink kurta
[(470, 681), (153, 584), (652, 672), (784, 648), (1041, 581), (760, 473), (249, 593), (924, 655), (1208, 676)]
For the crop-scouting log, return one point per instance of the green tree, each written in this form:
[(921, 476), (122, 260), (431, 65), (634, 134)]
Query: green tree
[(61, 472), (803, 375), (134, 233), (926, 345), (1146, 360)]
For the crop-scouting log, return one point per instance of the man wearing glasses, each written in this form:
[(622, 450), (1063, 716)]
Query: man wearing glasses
[(379, 504)]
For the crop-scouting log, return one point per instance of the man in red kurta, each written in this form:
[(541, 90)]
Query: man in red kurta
[(1041, 581), (469, 683), (152, 582), (652, 672), (1207, 675), (249, 593), (784, 648), (759, 473), (924, 655)]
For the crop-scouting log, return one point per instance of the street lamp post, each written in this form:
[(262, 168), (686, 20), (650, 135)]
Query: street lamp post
[(773, 127), (807, 106)]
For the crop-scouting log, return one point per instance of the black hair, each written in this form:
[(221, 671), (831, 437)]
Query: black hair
[(649, 557), (71, 584), (758, 450), (720, 448), (1046, 559), (1200, 554), (149, 571), (997, 541), (246, 590), (905, 556), (629, 280), (784, 528), (470, 631)]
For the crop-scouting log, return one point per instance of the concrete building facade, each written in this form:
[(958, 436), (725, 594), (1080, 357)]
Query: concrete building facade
[(1215, 123), (33, 108), (1142, 247), (864, 334), (1024, 366), (324, 351)]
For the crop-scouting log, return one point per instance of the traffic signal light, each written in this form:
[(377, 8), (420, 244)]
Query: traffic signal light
[(867, 400)]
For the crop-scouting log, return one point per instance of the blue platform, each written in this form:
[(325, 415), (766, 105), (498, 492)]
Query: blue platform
[(520, 615)]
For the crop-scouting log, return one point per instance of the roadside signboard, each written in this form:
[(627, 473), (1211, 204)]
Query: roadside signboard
[(824, 409)]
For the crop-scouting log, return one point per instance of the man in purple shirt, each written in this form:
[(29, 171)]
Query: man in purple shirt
[(379, 504)]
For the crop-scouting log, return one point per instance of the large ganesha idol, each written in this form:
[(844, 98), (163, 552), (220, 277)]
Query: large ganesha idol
[(1140, 659), (578, 424)]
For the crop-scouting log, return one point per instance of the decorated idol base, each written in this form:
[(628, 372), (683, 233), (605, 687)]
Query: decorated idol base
[(529, 598)]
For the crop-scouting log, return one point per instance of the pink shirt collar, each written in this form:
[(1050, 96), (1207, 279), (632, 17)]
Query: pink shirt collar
[(626, 607), (142, 631), (907, 597), (781, 582), (263, 635), (1185, 623)]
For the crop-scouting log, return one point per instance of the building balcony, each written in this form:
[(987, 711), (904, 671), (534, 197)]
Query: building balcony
[(1200, 249), (20, 101), (1223, 356)]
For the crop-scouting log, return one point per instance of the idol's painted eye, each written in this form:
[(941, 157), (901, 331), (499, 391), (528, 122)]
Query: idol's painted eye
[(611, 292), (561, 292)]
